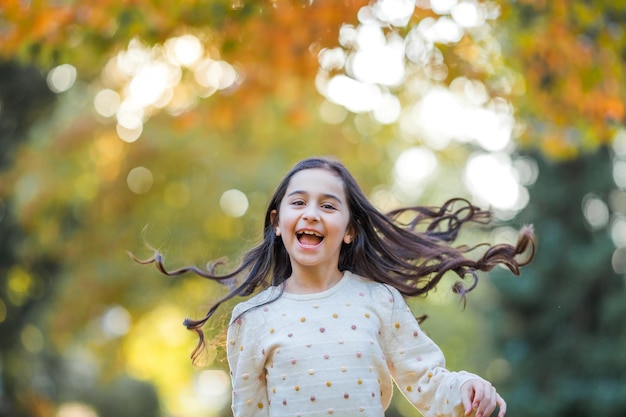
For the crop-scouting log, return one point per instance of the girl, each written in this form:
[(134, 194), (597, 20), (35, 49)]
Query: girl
[(330, 328)]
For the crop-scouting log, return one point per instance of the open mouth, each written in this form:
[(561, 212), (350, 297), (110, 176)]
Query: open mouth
[(309, 237)]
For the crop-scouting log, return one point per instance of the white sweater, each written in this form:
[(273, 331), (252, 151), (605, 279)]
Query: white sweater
[(335, 353)]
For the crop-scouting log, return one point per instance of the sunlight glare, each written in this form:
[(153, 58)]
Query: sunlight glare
[(135, 56), (369, 36), (414, 166), (442, 6), (394, 12), (442, 30), (184, 50), (442, 116), (490, 130), (417, 48), (389, 110), (491, 178), (356, 96), (347, 36), (468, 14), (151, 81), (332, 59), (431, 117), (380, 63), (473, 91), (148, 79)]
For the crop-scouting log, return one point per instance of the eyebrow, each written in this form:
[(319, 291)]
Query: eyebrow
[(326, 195)]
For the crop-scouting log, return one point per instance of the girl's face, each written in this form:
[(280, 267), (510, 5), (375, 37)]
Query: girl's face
[(313, 218)]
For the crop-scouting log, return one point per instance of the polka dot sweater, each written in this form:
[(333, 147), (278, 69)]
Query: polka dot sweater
[(335, 353)]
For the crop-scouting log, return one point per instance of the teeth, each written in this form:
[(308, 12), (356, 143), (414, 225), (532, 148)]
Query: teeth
[(309, 232)]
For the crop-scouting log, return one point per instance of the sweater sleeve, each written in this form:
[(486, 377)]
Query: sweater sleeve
[(417, 364), (246, 360)]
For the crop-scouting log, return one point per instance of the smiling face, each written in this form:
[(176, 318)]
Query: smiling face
[(313, 219)]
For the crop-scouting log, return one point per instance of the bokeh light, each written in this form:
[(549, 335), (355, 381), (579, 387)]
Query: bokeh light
[(394, 12), (32, 338), (596, 211), (185, 50), (618, 231), (213, 389), (140, 81), (492, 179), (74, 409), (140, 180), (61, 78), (413, 167), (116, 321), (107, 102), (234, 203), (373, 58)]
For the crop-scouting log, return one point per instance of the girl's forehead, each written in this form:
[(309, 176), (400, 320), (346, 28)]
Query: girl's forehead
[(316, 180)]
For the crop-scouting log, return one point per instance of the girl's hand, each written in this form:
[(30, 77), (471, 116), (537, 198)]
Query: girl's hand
[(481, 396)]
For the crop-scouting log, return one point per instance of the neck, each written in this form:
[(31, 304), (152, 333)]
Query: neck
[(312, 280)]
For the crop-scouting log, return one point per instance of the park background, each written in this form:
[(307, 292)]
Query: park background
[(130, 124)]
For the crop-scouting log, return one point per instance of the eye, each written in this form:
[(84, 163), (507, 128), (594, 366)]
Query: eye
[(329, 206), (297, 203)]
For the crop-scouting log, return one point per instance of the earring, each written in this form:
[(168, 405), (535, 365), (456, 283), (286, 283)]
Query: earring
[(277, 231)]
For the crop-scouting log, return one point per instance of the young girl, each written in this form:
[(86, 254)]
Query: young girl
[(330, 329)]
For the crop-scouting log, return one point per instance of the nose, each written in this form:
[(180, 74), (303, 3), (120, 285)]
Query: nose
[(311, 214)]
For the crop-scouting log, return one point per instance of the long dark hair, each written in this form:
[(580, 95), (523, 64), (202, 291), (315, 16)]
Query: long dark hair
[(408, 248)]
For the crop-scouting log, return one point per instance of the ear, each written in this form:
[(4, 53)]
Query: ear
[(274, 221), (349, 236)]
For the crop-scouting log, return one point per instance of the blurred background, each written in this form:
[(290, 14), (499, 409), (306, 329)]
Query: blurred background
[(137, 124)]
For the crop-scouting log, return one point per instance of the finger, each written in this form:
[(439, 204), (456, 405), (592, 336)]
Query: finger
[(502, 405), (479, 392), (466, 398), (487, 402)]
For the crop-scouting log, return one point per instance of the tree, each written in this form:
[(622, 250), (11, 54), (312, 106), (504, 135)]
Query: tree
[(572, 96), (25, 281), (561, 325)]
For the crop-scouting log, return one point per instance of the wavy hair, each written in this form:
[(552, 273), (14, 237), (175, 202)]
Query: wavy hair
[(409, 248)]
